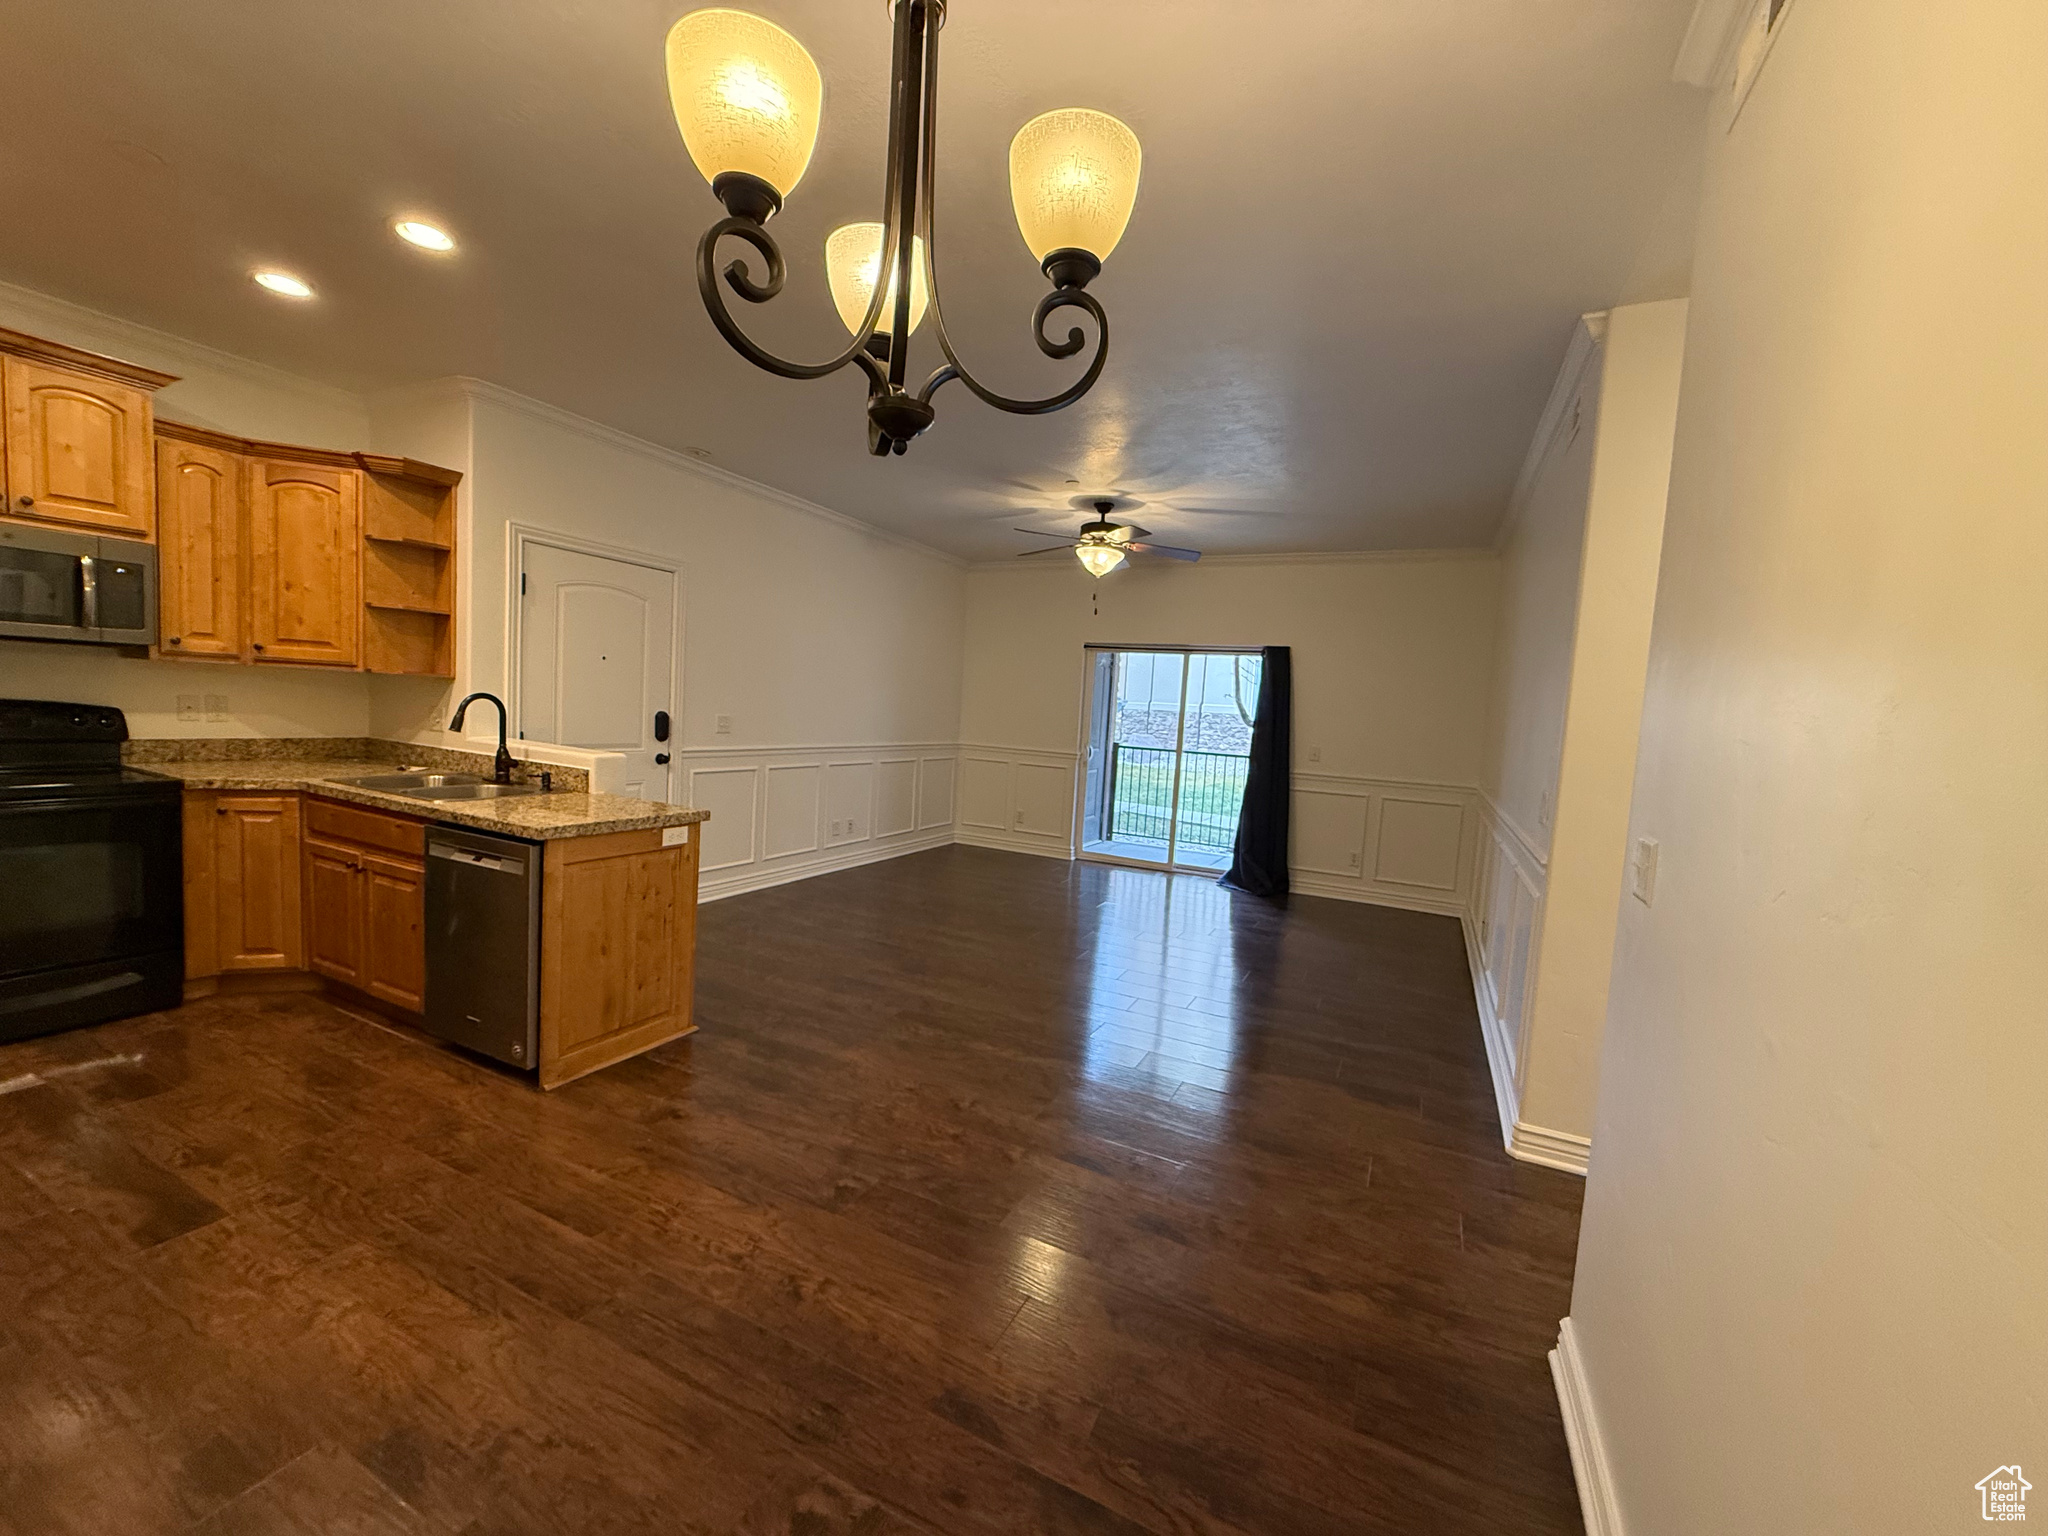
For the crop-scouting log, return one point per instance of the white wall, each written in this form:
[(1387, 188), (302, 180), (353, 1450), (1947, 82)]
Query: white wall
[(834, 649), (229, 394), (1391, 658), (1811, 1280), (1579, 581)]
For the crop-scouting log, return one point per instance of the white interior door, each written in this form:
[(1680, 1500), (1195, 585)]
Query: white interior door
[(597, 647)]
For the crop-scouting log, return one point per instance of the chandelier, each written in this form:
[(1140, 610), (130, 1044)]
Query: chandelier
[(747, 99)]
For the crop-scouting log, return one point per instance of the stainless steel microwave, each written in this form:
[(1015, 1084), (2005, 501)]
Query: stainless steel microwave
[(76, 586)]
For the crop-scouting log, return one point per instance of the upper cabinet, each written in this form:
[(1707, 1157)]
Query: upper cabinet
[(78, 437), (266, 552), (305, 554), (199, 495)]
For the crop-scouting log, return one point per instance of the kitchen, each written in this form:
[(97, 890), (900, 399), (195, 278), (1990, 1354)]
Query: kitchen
[(491, 901)]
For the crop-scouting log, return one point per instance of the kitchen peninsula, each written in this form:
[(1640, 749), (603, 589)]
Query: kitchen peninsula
[(296, 877)]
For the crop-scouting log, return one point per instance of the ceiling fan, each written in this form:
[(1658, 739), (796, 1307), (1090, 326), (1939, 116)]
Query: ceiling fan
[(1102, 545)]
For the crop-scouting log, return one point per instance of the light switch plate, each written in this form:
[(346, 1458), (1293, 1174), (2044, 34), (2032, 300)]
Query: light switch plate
[(189, 706), (723, 725), (1642, 871), (216, 706)]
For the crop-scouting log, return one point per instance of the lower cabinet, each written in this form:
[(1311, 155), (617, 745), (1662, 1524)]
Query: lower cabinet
[(242, 904), (618, 927), (365, 879)]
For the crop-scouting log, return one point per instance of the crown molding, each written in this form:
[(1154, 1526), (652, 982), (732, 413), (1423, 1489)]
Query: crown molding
[(1292, 557), (1587, 336), (555, 416), (1707, 56), (100, 331)]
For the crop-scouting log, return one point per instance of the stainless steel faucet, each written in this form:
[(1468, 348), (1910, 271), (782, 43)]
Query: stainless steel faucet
[(501, 765)]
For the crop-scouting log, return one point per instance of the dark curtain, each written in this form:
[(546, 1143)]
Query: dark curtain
[(1259, 861)]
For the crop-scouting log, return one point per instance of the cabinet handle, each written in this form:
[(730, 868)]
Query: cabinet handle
[(28, 501), (256, 645), (172, 641), (220, 810)]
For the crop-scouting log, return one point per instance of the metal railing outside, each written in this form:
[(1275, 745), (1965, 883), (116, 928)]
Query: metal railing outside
[(1141, 797)]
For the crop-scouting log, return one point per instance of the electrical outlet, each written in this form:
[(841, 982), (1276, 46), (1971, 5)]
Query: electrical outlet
[(1642, 871), (1315, 754), (188, 706), (723, 725), (1543, 811), (1353, 861), (1020, 818), (216, 706)]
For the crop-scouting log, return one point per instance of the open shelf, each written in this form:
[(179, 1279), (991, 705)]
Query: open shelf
[(408, 569), (410, 608), (392, 538)]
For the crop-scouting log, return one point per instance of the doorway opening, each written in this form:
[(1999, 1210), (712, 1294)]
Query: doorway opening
[(1169, 744)]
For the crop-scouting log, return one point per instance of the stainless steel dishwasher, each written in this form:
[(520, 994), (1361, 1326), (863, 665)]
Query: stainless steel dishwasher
[(483, 942)]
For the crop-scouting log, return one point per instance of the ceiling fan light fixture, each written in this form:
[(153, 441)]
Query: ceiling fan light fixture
[(853, 265), (1099, 558), (747, 97)]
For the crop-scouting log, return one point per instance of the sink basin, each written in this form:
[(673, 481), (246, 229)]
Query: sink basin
[(400, 783), (470, 791)]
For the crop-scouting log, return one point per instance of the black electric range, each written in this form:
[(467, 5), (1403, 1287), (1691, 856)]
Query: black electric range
[(91, 886)]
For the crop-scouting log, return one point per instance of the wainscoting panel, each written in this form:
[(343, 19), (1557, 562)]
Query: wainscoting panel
[(729, 794), (1390, 843), (1329, 831), (1503, 929), (935, 793), (786, 813), (896, 796), (1012, 797), (985, 791), (849, 802), (792, 809)]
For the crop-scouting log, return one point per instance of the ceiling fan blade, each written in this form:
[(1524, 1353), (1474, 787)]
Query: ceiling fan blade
[(1050, 549), (1167, 550), (1040, 533), (1133, 531)]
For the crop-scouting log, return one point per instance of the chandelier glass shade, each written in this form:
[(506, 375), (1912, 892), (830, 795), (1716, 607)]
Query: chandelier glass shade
[(746, 97), (747, 100), (853, 265)]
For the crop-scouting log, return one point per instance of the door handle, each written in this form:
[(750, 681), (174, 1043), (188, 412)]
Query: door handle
[(89, 592), (661, 759), (661, 725)]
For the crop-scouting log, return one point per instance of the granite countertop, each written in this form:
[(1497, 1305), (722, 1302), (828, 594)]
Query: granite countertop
[(542, 817)]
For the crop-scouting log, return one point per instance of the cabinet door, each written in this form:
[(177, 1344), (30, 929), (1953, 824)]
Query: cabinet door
[(304, 563), (334, 911), (256, 882), (78, 449), (199, 503), (202, 890), (394, 940)]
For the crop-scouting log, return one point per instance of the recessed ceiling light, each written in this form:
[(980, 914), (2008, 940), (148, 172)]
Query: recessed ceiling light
[(284, 283), (426, 236)]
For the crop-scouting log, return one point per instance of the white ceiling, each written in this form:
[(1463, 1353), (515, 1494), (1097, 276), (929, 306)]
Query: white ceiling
[(1364, 230)]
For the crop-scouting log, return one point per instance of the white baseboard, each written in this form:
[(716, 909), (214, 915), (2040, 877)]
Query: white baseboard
[(759, 877), (1308, 883), (988, 837), (1597, 1497), (1552, 1149)]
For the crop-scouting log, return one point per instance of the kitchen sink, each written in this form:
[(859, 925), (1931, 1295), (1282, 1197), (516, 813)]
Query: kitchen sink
[(470, 791), (400, 783)]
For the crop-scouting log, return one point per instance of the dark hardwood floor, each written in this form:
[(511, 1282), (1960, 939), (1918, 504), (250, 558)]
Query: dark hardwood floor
[(996, 1195)]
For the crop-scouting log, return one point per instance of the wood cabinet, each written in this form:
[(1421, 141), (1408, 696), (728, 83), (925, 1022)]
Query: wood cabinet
[(618, 948), (242, 905), (77, 437), (365, 882), (199, 521), (305, 551)]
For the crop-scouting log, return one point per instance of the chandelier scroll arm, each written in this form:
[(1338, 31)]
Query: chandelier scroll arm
[(1066, 296)]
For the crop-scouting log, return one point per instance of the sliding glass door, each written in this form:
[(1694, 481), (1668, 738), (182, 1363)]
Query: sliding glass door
[(1169, 740)]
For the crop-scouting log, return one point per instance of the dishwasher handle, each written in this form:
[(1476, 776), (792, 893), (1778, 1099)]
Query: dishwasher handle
[(469, 858)]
